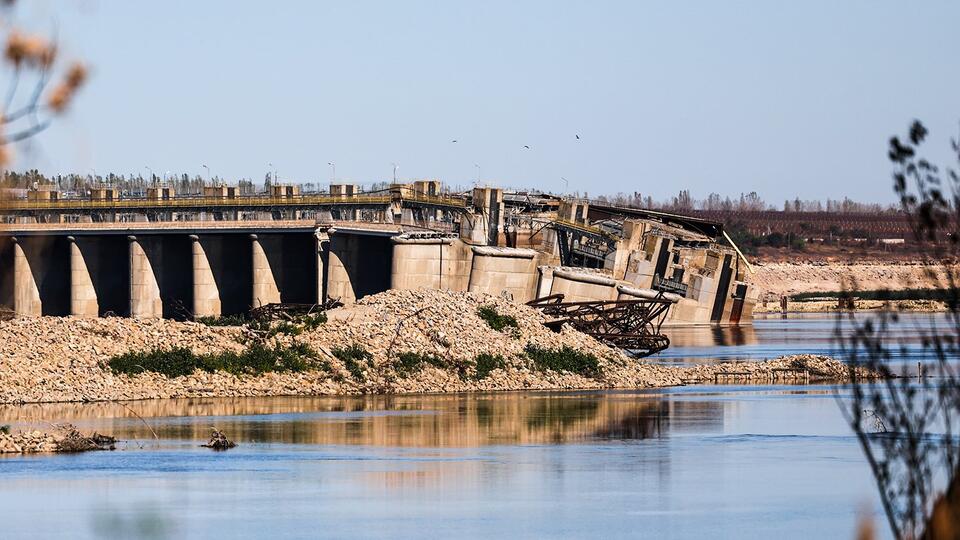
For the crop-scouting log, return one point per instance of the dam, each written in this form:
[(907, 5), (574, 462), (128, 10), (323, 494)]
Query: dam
[(221, 254)]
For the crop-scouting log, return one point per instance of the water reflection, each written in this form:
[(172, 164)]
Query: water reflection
[(807, 333), (712, 336), (682, 462), (394, 421)]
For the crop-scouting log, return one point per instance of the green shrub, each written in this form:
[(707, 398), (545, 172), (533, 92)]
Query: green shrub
[(254, 360), (313, 320), (299, 324), (175, 362), (285, 327), (411, 362), (223, 320), (5, 429), (294, 327), (486, 363), (564, 359), (495, 320), (352, 357)]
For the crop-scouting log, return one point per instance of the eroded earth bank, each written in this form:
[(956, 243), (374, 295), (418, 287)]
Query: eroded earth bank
[(394, 342)]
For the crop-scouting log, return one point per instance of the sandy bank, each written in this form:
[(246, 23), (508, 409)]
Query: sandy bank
[(830, 306), (780, 278)]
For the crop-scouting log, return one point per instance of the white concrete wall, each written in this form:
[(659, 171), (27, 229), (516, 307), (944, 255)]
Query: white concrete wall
[(505, 271), (434, 263), (579, 286)]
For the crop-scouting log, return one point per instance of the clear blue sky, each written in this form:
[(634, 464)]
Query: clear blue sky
[(788, 99)]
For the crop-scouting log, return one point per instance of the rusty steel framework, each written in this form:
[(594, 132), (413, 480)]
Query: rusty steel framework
[(632, 325)]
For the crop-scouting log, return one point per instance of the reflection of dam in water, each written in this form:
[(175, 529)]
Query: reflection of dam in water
[(711, 336), (401, 421)]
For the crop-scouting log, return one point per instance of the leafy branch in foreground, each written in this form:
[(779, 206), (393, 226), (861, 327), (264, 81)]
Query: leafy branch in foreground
[(907, 423)]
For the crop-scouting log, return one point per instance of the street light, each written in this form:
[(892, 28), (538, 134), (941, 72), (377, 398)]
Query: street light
[(333, 173), (477, 165), (395, 167), (208, 175)]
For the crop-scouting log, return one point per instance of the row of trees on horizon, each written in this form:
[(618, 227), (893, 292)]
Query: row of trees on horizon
[(747, 202), (185, 184)]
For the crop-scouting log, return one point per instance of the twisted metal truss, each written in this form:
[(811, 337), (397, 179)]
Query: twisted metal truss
[(633, 325)]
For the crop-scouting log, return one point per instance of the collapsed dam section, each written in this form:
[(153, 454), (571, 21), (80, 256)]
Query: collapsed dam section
[(223, 254)]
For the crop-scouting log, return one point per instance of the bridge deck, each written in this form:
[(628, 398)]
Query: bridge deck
[(17, 206), (191, 227)]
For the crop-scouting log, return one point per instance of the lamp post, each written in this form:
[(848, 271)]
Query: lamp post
[(208, 176), (477, 165), (333, 171), (395, 167)]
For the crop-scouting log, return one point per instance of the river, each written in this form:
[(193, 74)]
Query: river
[(698, 461)]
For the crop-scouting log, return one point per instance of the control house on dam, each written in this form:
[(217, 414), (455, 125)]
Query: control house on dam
[(220, 253)]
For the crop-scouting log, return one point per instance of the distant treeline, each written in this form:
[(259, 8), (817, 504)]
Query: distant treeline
[(136, 184), (132, 183), (747, 202), (944, 295)]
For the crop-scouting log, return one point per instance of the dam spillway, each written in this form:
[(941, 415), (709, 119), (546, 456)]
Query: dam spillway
[(192, 257), (187, 270)]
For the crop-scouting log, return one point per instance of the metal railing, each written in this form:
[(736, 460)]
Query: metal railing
[(669, 285), (222, 202)]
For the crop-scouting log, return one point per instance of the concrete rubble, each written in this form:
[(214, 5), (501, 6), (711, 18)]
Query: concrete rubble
[(53, 359), (63, 438)]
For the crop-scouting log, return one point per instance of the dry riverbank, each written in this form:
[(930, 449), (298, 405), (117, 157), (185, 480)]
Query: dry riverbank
[(830, 306), (786, 278), (65, 359)]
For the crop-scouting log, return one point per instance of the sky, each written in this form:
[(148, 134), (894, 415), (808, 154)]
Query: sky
[(788, 99)]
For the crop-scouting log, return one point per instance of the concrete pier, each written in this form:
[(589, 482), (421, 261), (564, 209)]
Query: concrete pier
[(359, 263), (83, 296), (323, 253), (206, 296), (145, 301), (265, 290), (26, 293)]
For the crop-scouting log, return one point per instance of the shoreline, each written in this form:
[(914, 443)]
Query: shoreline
[(803, 368), (860, 306), (59, 360)]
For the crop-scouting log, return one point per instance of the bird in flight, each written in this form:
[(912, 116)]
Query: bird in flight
[(577, 136), (527, 147), (454, 140)]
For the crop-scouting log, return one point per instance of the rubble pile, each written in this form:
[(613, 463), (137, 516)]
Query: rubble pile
[(65, 438), (53, 359)]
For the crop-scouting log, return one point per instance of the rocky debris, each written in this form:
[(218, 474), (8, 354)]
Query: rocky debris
[(65, 438), (52, 359), (71, 440), (219, 441), (795, 277), (799, 367)]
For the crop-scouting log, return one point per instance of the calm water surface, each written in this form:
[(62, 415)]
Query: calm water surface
[(704, 461)]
